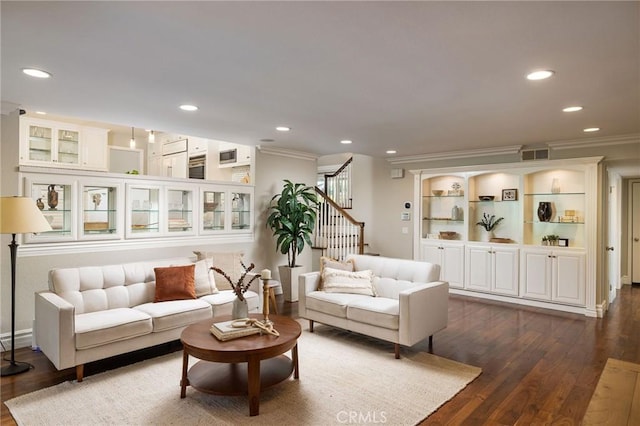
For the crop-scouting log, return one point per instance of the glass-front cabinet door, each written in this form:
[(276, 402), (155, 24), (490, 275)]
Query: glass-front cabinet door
[(240, 210), (100, 211), (68, 147), (56, 200), (143, 211), (40, 143), (213, 210), (180, 210)]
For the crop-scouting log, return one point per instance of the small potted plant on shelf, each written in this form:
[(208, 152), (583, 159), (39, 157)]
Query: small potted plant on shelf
[(551, 240), (489, 223)]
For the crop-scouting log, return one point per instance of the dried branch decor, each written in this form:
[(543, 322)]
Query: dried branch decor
[(240, 287)]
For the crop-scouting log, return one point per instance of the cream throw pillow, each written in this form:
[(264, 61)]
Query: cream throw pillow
[(205, 279), (339, 281), (228, 262), (327, 262)]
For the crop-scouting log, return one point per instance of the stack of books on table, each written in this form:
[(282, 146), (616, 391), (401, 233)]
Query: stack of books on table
[(224, 331)]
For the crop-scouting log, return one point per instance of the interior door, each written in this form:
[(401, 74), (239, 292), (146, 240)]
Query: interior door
[(635, 233), (613, 244)]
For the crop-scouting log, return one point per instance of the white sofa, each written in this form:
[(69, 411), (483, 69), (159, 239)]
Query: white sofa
[(91, 313), (410, 305)]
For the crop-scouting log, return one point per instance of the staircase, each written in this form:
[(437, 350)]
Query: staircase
[(337, 233)]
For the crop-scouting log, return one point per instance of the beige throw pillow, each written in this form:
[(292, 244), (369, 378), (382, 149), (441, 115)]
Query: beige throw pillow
[(228, 262), (327, 262), (339, 281), (205, 280)]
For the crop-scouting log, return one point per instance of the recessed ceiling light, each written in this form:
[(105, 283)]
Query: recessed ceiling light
[(572, 109), (33, 72), (540, 75), (591, 129), (187, 107), (346, 141), (283, 128), (41, 113), (391, 151)]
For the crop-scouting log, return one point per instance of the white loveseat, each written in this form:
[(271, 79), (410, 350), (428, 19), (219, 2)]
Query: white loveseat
[(410, 305), (91, 313)]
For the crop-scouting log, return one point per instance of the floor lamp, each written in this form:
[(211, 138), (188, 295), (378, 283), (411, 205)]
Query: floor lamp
[(18, 215)]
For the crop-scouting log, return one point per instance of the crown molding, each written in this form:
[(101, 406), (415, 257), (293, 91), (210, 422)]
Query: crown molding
[(595, 142), (284, 152), (482, 152)]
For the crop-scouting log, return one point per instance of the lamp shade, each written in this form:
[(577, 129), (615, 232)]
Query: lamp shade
[(20, 215)]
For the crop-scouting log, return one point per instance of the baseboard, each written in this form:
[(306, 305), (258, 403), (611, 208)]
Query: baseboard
[(23, 339)]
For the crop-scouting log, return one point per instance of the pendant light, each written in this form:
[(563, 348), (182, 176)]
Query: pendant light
[(132, 142), (152, 136)]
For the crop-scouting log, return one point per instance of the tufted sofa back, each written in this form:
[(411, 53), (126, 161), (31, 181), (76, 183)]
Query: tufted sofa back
[(391, 275), (97, 288)]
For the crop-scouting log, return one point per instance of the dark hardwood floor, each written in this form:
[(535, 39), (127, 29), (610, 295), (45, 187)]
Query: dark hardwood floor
[(539, 366)]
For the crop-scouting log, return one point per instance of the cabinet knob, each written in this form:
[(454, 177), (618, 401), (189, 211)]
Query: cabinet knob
[(609, 248), (636, 239)]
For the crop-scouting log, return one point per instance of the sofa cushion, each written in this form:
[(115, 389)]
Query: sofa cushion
[(327, 262), (175, 313), (204, 278), (175, 283), (340, 281), (103, 327), (334, 304), (399, 269), (391, 288), (377, 311)]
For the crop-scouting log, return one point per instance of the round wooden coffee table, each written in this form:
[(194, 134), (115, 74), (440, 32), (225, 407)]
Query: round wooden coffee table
[(242, 366)]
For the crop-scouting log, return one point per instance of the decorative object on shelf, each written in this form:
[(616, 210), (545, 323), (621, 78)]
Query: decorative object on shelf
[(509, 194), (555, 186), (52, 197), (96, 199), (550, 240), (17, 216), (455, 189), (448, 235), (455, 213), (437, 192), (40, 204), (240, 307), (489, 223), (563, 242), (486, 197), (545, 211)]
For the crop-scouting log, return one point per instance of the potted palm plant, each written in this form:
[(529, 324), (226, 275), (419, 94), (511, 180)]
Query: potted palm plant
[(292, 218), (489, 222)]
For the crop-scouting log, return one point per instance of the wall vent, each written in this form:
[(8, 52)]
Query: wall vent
[(534, 154)]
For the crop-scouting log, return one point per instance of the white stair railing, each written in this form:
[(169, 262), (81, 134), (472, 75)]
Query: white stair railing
[(337, 233)]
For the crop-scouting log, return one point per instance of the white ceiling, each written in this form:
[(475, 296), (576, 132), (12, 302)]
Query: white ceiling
[(418, 77)]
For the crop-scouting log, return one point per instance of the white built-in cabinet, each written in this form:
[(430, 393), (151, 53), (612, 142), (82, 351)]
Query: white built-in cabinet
[(543, 251), (554, 275), (62, 145), (492, 268), (86, 207), (449, 255)]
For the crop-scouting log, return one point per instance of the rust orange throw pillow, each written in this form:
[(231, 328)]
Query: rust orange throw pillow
[(175, 283)]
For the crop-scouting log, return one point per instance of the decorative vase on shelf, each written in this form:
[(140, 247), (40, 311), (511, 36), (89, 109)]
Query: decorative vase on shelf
[(455, 213), (240, 309), (40, 204), (52, 197), (545, 211), (487, 236)]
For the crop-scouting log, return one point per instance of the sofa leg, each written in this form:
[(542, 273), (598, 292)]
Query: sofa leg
[(79, 372), (311, 326), (397, 347)]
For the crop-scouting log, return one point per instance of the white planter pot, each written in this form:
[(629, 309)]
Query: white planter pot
[(289, 281)]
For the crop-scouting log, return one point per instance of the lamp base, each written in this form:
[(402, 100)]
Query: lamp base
[(15, 368)]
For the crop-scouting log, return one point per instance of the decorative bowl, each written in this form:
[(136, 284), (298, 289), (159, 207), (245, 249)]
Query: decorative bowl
[(486, 197), (437, 192), (448, 235)]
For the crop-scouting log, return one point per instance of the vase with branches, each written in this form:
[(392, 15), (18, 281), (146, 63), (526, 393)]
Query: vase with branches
[(239, 287)]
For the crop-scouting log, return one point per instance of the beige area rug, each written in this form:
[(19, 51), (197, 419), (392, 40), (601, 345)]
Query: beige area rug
[(345, 378)]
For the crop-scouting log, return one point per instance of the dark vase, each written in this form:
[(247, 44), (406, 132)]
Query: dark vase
[(544, 211), (52, 197)]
